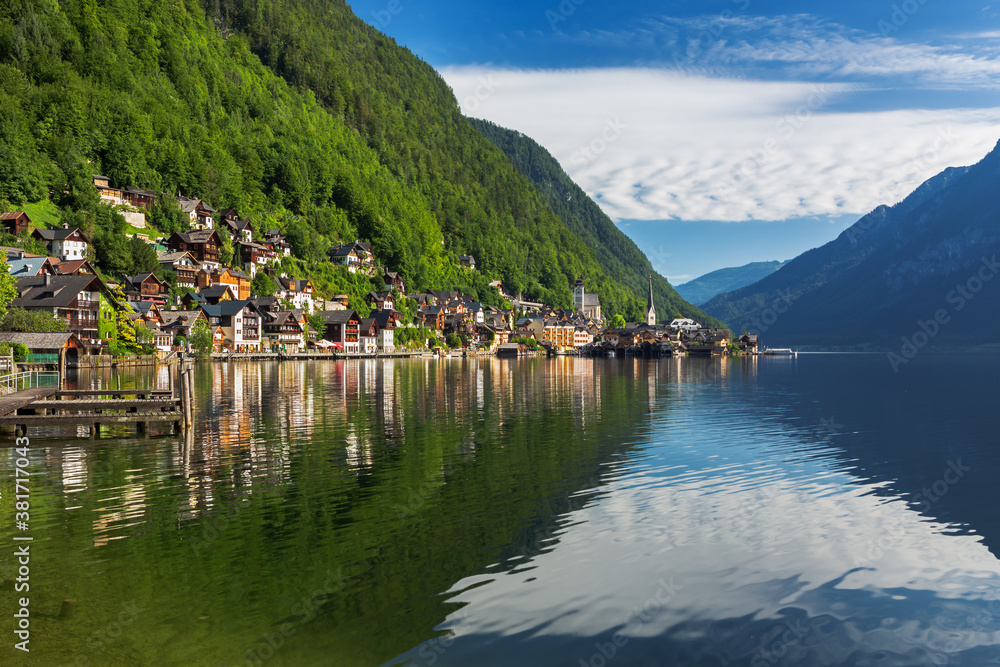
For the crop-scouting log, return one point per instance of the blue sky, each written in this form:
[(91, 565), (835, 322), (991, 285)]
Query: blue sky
[(717, 133)]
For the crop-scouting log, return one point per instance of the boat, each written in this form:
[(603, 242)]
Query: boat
[(781, 352)]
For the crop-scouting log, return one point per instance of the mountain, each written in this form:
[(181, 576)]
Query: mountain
[(920, 271), (701, 290), (296, 113), (617, 254)]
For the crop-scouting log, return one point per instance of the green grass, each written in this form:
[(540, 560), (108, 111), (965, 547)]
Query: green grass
[(43, 213)]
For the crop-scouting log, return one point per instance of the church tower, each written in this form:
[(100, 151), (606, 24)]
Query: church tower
[(650, 310), (578, 300)]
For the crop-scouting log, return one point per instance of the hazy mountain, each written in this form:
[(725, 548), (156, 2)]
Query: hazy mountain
[(701, 290), (923, 268)]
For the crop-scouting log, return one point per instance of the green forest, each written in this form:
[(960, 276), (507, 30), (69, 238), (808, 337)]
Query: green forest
[(294, 112), (617, 253)]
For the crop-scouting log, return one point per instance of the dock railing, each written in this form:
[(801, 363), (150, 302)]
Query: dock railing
[(28, 380)]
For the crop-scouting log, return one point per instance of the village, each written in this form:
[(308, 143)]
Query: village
[(293, 319)]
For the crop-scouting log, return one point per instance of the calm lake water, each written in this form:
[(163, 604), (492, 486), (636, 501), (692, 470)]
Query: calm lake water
[(818, 511)]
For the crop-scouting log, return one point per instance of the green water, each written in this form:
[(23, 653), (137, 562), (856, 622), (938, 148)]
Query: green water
[(317, 514)]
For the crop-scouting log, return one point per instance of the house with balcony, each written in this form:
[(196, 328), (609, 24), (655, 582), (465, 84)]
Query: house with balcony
[(65, 243), (386, 322), (201, 215), (240, 229), (234, 278), (108, 193), (74, 299), (241, 323), (277, 243), (203, 245), (342, 329), (394, 282), (184, 266), (355, 256), (382, 300), (299, 293), (368, 336), (138, 197), (180, 322), (145, 287), (284, 331)]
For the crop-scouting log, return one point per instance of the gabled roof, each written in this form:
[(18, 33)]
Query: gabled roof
[(173, 257), (28, 266), (216, 291), (338, 316), (283, 317), (39, 341), (384, 319), (197, 236), (228, 308), (60, 234), (73, 266), (180, 318), (33, 292), (367, 324)]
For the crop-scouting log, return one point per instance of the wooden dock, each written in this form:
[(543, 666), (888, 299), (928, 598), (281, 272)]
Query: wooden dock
[(45, 406)]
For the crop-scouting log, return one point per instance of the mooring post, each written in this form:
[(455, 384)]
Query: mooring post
[(190, 396)]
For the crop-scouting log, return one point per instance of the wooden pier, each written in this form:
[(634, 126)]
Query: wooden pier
[(45, 406)]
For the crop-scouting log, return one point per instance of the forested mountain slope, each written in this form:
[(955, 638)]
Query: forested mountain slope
[(295, 112), (616, 252)]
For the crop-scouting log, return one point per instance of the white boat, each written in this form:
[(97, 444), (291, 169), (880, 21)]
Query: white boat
[(782, 351)]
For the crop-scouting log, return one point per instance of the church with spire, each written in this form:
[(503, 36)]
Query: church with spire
[(650, 309)]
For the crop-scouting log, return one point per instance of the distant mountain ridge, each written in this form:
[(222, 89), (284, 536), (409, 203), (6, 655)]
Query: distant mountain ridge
[(619, 256), (884, 279), (701, 290)]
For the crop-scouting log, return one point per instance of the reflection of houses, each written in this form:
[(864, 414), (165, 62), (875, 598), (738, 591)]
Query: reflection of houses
[(64, 243)]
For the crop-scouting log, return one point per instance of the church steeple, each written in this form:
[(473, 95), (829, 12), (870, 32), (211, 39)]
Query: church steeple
[(650, 309)]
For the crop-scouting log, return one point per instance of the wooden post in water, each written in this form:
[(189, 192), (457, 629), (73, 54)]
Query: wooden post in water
[(190, 401)]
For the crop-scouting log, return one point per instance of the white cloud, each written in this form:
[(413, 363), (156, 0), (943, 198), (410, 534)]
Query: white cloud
[(655, 144)]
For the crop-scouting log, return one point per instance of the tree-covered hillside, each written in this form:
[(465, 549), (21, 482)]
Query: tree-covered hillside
[(617, 253), (293, 111)]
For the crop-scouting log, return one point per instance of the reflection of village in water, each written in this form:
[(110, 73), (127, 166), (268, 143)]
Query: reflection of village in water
[(251, 419)]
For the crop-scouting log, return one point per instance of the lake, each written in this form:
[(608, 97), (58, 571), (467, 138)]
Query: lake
[(818, 510)]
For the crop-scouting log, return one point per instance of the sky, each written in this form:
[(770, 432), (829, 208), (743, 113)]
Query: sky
[(721, 132)]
